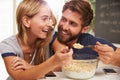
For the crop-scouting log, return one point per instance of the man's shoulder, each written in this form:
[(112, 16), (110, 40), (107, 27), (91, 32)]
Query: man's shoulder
[(53, 37), (87, 35), (55, 34), (87, 39)]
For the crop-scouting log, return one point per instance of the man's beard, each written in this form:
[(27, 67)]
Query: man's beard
[(64, 40)]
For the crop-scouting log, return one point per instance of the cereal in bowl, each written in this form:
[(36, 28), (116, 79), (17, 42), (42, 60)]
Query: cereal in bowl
[(78, 46)]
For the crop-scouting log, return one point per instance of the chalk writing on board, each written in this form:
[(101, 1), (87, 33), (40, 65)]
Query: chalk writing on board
[(107, 20)]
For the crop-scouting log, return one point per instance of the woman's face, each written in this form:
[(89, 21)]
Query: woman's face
[(41, 23)]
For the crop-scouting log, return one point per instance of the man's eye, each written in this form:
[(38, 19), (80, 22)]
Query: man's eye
[(73, 24), (63, 19)]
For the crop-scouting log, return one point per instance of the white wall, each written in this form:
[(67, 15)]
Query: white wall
[(6, 18), (3, 72), (6, 28), (56, 7)]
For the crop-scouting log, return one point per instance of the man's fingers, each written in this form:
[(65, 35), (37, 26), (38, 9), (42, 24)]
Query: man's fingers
[(98, 43), (103, 48), (105, 59)]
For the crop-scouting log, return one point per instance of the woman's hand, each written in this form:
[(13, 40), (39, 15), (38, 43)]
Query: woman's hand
[(19, 63), (105, 52), (63, 57)]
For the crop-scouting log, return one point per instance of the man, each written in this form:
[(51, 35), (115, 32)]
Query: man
[(72, 28)]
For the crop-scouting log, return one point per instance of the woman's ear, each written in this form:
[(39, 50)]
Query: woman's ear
[(85, 29), (26, 21)]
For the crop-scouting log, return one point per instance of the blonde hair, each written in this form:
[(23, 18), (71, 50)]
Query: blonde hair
[(30, 8)]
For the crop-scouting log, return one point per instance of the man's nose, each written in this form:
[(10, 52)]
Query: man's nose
[(66, 26)]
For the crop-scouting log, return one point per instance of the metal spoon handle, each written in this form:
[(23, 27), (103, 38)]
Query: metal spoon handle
[(90, 46)]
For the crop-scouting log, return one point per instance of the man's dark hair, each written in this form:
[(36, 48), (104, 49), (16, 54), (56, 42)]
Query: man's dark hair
[(83, 8)]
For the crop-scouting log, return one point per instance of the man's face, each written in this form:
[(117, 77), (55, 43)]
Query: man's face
[(69, 27)]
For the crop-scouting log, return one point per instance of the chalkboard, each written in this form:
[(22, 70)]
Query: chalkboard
[(107, 20)]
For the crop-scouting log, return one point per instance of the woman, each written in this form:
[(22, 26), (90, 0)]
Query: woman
[(34, 21)]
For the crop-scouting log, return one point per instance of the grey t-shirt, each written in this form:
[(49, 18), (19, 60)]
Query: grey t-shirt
[(11, 45)]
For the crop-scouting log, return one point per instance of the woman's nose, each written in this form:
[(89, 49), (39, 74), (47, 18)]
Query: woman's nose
[(50, 22)]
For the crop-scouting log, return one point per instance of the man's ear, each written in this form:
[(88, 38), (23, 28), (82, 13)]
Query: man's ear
[(85, 29), (26, 21)]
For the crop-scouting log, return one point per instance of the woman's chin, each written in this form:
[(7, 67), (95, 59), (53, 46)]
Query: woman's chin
[(43, 37)]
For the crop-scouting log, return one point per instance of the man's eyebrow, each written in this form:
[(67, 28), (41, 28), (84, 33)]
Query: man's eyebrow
[(44, 16), (62, 17)]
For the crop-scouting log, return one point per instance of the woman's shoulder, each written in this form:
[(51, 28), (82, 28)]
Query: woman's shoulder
[(9, 44), (10, 39)]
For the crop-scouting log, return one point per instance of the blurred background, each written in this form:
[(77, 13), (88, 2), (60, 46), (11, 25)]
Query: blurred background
[(102, 9)]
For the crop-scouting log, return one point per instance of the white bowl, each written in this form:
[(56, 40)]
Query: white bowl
[(80, 69)]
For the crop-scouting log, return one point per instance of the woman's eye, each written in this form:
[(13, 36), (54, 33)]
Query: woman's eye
[(44, 19)]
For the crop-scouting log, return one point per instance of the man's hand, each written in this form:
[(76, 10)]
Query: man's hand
[(105, 52)]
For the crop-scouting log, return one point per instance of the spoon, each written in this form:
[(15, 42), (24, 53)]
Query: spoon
[(88, 46)]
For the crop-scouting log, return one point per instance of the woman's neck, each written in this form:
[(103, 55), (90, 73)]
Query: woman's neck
[(27, 49)]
